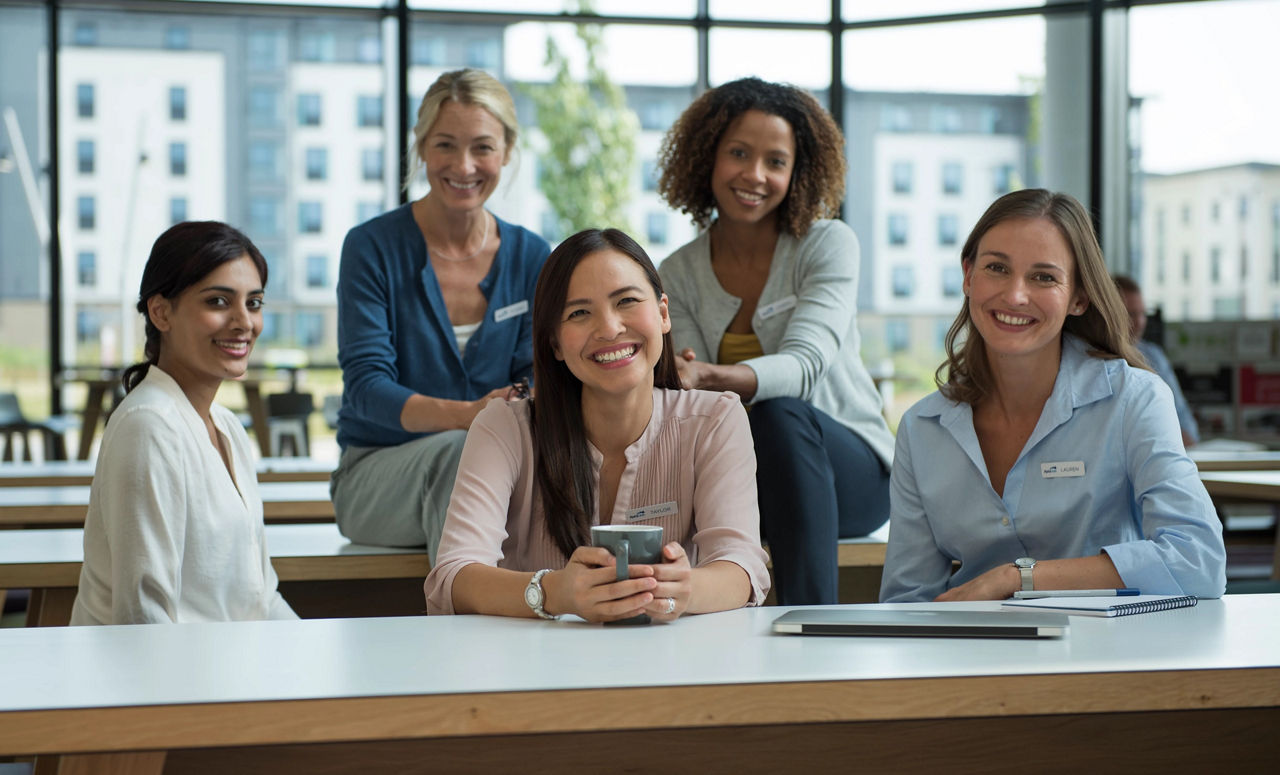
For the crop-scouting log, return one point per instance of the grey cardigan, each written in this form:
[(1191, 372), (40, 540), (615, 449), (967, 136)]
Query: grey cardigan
[(806, 321)]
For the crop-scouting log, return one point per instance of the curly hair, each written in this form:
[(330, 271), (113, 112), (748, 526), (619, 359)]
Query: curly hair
[(688, 153)]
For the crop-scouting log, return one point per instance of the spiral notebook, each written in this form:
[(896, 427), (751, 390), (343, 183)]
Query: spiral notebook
[(1105, 606)]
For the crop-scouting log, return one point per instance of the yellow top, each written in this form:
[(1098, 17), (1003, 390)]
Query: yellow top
[(736, 348)]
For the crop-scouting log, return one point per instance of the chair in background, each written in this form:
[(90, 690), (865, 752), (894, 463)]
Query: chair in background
[(287, 415), (14, 426)]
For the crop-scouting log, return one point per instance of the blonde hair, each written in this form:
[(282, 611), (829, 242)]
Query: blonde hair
[(466, 87)]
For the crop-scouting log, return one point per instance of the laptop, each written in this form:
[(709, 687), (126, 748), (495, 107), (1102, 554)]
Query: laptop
[(920, 624)]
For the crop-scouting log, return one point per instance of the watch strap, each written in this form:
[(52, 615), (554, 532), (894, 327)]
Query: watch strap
[(536, 583)]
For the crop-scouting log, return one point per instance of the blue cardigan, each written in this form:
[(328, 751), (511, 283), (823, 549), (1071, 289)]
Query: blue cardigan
[(394, 334)]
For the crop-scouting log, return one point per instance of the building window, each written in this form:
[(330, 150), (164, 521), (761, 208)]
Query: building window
[(371, 164), (309, 110), (948, 229), (945, 119), (178, 159), (427, 51), (317, 163), (656, 228), (649, 175), (1244, 207), (367, 210), (897, 229), (264, 217), (1186, 215), (657, 115), (1215, 264), (87, 267), (88, 325), (310, 217), (316, 47), (265, 50), (264, 161), (177, 209), (86, 212), (897, 335), (1003, 179), (369, 50), (1244, 261), (952, 281), (483, 54), (310, 329), (264, 106), (902, 174), (317, 271), (177, 36), (177, 103), (904, 281), (1186, 267), (952, 177), (84, 157), (270, 327), (895, 118), (86, 34), (1215, 211), (84, 100), (369, 110)]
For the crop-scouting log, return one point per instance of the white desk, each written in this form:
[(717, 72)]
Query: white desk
[(529, 695), (80, 472), (1224, 460)]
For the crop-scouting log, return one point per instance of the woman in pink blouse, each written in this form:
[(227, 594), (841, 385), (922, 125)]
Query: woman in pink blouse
[(610, 437)]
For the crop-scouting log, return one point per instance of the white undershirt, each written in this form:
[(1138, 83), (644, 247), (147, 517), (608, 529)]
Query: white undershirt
[(463, 334)]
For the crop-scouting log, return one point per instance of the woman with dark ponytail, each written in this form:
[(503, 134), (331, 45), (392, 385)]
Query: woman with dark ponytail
[(610, 439), (174, 529)]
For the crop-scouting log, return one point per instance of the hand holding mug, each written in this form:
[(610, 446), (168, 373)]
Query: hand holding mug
[(675, 584), (589, 587)]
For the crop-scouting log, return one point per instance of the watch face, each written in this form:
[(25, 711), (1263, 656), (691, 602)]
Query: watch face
[(532, 596), (1024, 562)]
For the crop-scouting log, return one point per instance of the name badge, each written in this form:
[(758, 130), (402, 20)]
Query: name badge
[(781, 305), (670, 508), (1067, 469), (510, 311)]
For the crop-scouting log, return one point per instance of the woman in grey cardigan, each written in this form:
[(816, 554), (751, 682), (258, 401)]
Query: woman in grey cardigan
[(763, 304)]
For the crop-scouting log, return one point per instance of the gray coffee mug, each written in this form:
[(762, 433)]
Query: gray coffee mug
[(640, 544)]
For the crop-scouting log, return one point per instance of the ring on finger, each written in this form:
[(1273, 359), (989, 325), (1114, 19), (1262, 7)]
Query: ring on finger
[(671, 606)]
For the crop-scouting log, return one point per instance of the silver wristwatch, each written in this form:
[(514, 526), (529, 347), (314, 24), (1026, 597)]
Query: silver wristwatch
[(534, 597), (1025, 565)]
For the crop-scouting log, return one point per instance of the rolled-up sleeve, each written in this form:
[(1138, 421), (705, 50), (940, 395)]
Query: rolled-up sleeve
[(726, 511), (914, 569), (1182, 550)]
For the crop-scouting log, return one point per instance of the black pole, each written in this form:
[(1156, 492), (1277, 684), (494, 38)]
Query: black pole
[(402, 95), (702, 23), (1096, 102), (55, 244)]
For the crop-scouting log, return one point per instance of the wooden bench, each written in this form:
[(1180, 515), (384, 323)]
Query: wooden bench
[(321, 573), (56, 506), (71, 473)]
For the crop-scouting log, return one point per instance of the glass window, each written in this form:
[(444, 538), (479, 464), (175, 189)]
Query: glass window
[(1002, 177), (264, 106), (895, 118), (86, 212), (484, 53), (309, 109), (310, 329), (948, 230), (649, 175), (904, 281), (371, 164), (317, 163), (317, 270), (177, 159), (87, 267), (952, 178), (1215, 211), (945, 119), (310, 217), (316, 46), (952, 281), (270, 327), (902, 171), (1215, 264), (86, 34), (369, 110), (88, 324), (656, 228), (427, 51), (84, 100), (84, 157), (177, 36), (177, 103), (898, 335), (177, 209), (369, 49), (799, 57), (897, 229), (266, 49), (367, 209), (264, 217), (264, 161)]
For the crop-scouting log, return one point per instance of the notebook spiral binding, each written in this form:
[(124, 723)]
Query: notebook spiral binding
[(1186, 601)]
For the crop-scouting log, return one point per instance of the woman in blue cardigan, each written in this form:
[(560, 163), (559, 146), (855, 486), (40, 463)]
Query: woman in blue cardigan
[(433, 319), (763, 303)]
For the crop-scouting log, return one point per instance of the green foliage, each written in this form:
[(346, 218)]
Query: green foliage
[(586, 170)]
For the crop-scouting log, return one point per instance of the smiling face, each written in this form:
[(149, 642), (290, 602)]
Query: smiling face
[(464, 151), (753, 167), (208, 331), (1021, 287), (610, 332)]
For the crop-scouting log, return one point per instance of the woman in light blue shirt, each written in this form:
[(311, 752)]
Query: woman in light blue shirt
[(1049, 458)]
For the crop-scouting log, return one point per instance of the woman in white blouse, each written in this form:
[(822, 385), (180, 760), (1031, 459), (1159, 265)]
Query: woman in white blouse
[(174, 529)]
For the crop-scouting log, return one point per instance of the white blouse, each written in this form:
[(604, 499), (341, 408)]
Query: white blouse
[(169, 537)]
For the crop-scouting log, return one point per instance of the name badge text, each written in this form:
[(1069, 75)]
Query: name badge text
[(668, 509), (511, 310), (781, 305), (1062, 470)]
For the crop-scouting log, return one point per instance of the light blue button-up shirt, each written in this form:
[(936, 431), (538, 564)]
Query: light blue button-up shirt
[(1104, 470)]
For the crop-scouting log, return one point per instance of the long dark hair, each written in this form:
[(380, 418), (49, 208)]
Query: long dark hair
[(181, 257), (965, 376), (565, 483)]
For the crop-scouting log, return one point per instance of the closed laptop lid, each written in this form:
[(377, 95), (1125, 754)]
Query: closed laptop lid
[(926, 623)]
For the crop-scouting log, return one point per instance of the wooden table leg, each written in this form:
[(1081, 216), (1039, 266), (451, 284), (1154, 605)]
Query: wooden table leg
[(50, 607), (92, 413), (257, 411)]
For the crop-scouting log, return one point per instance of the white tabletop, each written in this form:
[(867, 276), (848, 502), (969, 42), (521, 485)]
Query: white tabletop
[(344, 658)]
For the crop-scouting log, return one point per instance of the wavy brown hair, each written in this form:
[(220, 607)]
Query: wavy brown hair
[(965, 376), (688, 153), (564, 481)]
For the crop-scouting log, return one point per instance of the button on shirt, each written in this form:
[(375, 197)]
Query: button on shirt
[(1104, 470)]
